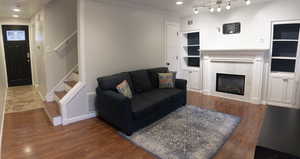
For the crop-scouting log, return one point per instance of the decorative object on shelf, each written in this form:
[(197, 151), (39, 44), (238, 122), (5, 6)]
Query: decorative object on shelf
[(232, 28), (217, 5)]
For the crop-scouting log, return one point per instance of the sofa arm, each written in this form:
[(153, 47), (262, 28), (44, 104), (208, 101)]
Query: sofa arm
[(115, 109), (180, 84)]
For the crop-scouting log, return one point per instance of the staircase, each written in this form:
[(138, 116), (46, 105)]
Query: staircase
[(53, 108)]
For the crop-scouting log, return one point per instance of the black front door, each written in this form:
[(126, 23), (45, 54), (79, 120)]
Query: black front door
[(17, 56)]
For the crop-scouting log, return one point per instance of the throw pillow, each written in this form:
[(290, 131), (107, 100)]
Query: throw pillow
[(153, 74), (166, 80), (124, 89)]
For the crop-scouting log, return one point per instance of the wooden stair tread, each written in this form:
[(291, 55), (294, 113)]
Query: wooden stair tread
[(71, 83), (52, 109), (77, 72), (60, 94)]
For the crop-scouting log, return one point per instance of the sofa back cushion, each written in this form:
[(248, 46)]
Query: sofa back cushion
[(110, 82), (141, 81), (153, 74)]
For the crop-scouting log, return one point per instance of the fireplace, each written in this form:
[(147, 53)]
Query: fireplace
[(230, 83)]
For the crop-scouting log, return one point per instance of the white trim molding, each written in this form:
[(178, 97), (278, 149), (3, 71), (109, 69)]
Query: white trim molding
[(2, 119), (79, 118), (59, 86)]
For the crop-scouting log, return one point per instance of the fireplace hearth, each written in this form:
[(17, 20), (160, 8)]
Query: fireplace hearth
[(230, 83)]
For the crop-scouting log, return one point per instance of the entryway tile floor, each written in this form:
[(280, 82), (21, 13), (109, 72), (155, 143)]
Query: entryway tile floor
[(22, 98)]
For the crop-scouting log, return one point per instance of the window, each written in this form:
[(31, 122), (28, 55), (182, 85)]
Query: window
[(15, 35)]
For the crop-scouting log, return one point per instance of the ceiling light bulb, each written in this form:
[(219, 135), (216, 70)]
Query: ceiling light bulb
[(179, 3), (212, 10), (228, 6), (16, 16), (219, 9), (16, 10), (248, 2), (196, 10)]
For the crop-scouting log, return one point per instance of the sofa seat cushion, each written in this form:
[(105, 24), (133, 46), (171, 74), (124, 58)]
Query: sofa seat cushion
[(150, 102)]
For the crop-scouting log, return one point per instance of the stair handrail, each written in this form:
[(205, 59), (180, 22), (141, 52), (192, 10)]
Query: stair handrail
[(65, 41)]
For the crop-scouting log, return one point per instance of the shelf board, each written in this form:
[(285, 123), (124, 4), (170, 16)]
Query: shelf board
[(285, 40), (191, 45), (190, 56), (284, 58)]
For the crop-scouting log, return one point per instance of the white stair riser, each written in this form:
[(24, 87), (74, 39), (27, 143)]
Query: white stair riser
[(54, 120), (67, 88), (57, 121), (74, 77)]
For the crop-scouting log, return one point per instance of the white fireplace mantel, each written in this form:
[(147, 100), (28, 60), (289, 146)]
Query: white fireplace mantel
[(249, 63)]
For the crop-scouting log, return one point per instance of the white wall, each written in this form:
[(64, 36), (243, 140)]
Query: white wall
[(255, 24), (55, 22), (120, 38), (60, 22)]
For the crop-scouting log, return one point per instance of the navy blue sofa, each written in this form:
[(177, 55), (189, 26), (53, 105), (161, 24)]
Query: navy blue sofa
[(149, 102)]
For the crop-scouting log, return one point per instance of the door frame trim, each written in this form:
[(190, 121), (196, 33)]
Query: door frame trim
[(165, 52), (3, 50)]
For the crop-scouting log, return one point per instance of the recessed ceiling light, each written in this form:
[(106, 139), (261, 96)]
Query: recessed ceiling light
[(16, 16), (212, 10), (179, 3), (248, 2), (16, 10)]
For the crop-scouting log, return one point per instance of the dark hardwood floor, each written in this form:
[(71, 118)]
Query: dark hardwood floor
[(281, 130), (29, 135)]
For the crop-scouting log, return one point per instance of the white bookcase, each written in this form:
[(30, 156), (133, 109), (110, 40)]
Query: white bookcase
[(191, 59), (284, 76)]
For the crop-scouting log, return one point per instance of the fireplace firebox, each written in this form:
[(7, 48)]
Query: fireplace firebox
[(230, 83)]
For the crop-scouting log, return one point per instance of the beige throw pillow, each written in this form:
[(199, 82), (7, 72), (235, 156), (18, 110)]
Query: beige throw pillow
[(124, 89)]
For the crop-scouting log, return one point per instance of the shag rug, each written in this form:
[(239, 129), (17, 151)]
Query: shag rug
[(187, 133)]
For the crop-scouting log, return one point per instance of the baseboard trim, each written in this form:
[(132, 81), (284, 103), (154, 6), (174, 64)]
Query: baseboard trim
[(283, 105), (42, 97), (2, 119), (80, 118), (237, 99)]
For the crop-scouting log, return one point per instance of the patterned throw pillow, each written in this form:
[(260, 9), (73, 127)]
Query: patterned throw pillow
[(166, 80), (124, 89)]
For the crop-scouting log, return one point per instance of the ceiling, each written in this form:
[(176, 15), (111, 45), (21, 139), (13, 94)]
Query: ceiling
[(186, 9), (29, 7)]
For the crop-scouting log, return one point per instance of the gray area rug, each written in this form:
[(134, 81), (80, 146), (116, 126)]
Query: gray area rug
[(188, 133)]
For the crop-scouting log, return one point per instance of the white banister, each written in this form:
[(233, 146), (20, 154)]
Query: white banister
[(61, 44)]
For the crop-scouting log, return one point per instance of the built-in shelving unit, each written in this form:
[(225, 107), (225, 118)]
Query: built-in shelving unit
[(191, 46), (283, 78), (191, 59), (284, 47)]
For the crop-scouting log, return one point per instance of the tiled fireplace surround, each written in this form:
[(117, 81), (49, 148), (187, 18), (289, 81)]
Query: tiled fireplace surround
[(250, 63)]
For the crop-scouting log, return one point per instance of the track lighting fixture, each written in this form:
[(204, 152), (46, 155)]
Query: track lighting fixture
[(217, 5)]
